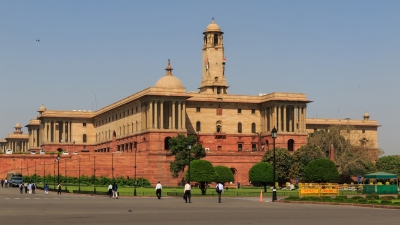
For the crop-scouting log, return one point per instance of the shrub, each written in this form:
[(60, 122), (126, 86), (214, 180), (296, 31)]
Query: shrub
[(386, 202), (321, 170), (293, 198), (362, 201), (398, 196), (373, 202), (396, 203), (387, 197), (372, 197), (357, 197), (340, 197)]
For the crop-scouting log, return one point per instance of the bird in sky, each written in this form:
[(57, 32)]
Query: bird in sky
[(37, 40)]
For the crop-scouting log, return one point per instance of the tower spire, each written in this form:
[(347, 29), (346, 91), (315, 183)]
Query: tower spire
[(168, 69)]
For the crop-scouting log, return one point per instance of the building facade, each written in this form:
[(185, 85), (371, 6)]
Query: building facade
[(234, 129)]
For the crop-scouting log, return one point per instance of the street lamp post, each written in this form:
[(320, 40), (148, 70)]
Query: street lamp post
[(273, 133), (189, 147), (94, 177), (79, 175), (58, 160), (134, 190)]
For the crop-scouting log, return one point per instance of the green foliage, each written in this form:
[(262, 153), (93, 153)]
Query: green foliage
[(389, 164), (86, 180), (224, 174), (178, 147), (373, 202), (357, 197), (262, 172), (387, 197), (386, 202), (362, 201), (301, 158), (321, 171), (372, 197), (203, 172), (283, 162)]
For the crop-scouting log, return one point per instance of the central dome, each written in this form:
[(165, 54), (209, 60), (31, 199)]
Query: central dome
[(169, 81)]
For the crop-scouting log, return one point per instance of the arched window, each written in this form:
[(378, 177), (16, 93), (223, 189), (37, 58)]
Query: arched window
[(239, 127), (219, 127), (253, 128), (84, 138), (198, 126), (290, 145), (215, 39), (114, 134), (166, 143)]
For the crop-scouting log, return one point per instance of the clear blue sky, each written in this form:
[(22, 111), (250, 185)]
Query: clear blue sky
[(343, 54)]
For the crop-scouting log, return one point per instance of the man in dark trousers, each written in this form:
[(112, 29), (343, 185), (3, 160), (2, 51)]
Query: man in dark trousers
[(219, 189), (158, 190)]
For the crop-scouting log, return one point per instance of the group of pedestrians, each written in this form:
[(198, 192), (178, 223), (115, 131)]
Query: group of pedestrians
[(29, 188), (187, 191), (4, 183), (113, 190)]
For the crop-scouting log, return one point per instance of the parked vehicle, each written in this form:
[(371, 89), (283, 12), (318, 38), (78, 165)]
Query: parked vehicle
[(33, 152), (42, 152), (8, 151), (65, 153), (15, 178)]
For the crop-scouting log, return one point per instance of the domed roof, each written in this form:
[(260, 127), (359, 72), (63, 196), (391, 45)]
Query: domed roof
[(42, 108), (366, 115), (17, 125), (213, 26), (169, 81)]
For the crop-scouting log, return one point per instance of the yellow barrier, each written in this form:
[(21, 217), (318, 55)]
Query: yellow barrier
[(310, 189)]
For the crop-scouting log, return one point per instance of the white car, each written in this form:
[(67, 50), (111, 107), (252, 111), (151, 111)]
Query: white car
[(33, 152), (75, 153), (8, 151), (65, 153), (42, 152)]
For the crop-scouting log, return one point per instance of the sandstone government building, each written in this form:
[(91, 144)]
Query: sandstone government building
[(234, 129)]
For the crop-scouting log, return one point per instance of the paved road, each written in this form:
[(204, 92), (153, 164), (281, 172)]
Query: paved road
[(70, 209)]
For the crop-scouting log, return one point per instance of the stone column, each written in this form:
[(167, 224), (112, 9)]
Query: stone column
[(173, 115), (179, 116), (284, 118), (290, 119), (298, 119), (305, 118), (162, 114), (184, 115), (274, 118), (151, 122), (156, 115), (169, 115), (279, 124), (54, 132)]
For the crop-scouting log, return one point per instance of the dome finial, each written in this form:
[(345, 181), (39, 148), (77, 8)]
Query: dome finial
[(212, 20), (168, 69)]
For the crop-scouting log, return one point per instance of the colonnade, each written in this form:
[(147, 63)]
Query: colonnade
[(164, 115), (15, 146), (50, 133), (286, 118), (34, 137)]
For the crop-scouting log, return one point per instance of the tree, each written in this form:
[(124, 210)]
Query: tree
[(389, 164), (178, 146), (262, 172), (321, 171), (283, 162), (301, 158), (351, 149), (224, 174), (203, 172)]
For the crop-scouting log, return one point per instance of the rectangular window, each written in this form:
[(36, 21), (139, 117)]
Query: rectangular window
[(239, 111), (240, 147), (253, 111), (197, 109), (363, 131), (84, 124), (254, 147)]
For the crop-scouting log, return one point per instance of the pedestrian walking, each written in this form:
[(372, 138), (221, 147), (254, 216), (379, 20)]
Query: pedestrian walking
[(59, 189), (219, 189), (33, 188), (2, 183), (26, 187), (21, 187), (30, 188), (115, 190), (110, 190), (46, 189), (6, 183), (158, 190), (187, 192)]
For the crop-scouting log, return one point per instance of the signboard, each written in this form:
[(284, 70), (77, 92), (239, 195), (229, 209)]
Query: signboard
[(329, 191), (309, 191)]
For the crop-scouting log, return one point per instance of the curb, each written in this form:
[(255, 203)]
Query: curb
[(344, 204)]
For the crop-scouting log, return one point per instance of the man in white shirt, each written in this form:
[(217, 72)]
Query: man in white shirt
[(187, 192), (219, 189), (158, 190), (110, 190)]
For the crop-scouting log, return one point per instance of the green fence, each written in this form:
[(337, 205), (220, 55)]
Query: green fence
[(380, 189)]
